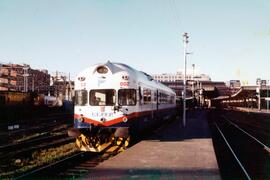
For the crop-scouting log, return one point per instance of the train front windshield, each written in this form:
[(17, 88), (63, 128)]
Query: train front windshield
[(127, 97), (102, 97)]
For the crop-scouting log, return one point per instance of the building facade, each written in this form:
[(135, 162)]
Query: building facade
[(16, 77), (8, 78), (180, 77), (175, 81), (199, 87), (62, 87)]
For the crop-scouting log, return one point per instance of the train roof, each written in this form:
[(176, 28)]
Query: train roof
[(115, 67)]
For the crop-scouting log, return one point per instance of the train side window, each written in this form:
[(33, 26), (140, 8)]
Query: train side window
[(163, 98), (155, 96), (80, 97), (172, 100), (102, 97), (147, 96), (167, 99), (127, 97)]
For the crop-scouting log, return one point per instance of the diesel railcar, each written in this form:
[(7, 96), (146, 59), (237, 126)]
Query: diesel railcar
[(114, 101)]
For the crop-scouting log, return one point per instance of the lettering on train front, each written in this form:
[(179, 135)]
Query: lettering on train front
[(101, 114), (124, 84)]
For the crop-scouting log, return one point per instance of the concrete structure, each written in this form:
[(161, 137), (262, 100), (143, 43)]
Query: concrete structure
[(173, 152), (62, 86), (234, 84), (179, 77), (175, 81), (199, 86), (22, 78), (8, 78), (201, 90), (16, 77), (247, 96)]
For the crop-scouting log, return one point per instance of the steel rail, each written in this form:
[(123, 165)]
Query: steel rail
[(43, 121), (49, 165), (33, 148), (34, 141), (64, 161), (238, 161), (254, 138)]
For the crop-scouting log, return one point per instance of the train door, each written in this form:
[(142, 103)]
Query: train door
[(140, 97), (157, 105), (157, 99), (139, 123)]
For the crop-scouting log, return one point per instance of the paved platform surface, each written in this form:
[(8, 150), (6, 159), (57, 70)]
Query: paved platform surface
[(255, 110), (174, 152)]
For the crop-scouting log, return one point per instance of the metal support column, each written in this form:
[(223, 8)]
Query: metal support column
[(185, 39)]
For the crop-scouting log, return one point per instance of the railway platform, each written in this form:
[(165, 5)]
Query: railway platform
[(254, 110), (173, 152)]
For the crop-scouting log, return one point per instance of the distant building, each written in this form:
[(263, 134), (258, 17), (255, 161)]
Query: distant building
[(62, 86), (175, 81), (179, 77), (261, 82), (16, 77), (8, 78), (234, 84), (198, 86)]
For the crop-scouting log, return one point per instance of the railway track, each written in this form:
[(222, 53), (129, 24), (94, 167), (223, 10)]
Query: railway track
[(31, 140), (47, 136), (251, 122), (15, 156), (244, 155), (81, 163), (24, 159), (24, 148), (51, 124), (72, 167)]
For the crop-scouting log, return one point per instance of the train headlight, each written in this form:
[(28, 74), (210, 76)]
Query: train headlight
[(102, 70), (103, 119), (125, 119), (125, 77), (80, 119)]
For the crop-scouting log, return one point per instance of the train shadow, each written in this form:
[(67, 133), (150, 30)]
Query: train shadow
[(196, 128)]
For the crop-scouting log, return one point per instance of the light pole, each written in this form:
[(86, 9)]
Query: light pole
[(258, 91), (193, 67), (185, 40), (267, 102)]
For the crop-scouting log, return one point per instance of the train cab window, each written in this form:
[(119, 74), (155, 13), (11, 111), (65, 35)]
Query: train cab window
[(127, 97), (80, 97), (102, 97), (147, 96)]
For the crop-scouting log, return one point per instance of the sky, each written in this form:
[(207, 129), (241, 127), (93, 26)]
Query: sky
[(227, 39)]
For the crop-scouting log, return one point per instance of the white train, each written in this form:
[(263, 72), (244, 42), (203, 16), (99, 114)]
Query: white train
[(114, 101)]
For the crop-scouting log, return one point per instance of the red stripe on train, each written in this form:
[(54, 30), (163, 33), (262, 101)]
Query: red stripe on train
[(117, 120)]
